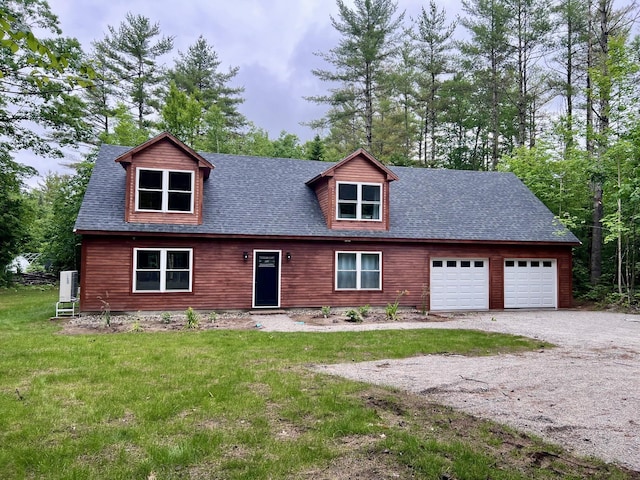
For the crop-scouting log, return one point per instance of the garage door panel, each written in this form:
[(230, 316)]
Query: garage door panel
[(530, 283), (459, 284)]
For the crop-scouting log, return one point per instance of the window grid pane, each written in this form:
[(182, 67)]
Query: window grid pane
[(162, 270), (359, 202), (165, 190), (358, 271)]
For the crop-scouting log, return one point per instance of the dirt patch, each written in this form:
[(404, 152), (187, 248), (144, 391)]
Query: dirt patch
[(154, 322)]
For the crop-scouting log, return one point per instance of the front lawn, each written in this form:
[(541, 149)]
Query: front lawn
[(240, 404)]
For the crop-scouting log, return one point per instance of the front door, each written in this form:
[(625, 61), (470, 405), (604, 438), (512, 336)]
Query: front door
[(266, 289)]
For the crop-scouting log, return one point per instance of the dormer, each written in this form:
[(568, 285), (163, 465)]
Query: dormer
[(164, 182), (354, 193)]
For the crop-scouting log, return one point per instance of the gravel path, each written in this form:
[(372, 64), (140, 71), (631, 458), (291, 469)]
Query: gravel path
[(584, 395)]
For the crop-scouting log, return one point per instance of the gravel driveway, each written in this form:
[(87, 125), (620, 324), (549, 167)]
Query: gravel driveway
[(584, 395)]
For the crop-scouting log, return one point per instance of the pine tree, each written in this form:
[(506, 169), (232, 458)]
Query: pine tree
[(367, 48), (132, 57)]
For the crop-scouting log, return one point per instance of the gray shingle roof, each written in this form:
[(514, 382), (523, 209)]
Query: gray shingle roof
[(268, 196)]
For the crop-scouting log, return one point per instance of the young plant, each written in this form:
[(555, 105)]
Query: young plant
[(136, 327), (105, 309), (392, 308), (364, 310), (353, 316), (326, 311), (165, 317), (193, 319), (213, 317), (424, 298)]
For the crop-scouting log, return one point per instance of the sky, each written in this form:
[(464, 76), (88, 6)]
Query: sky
[(272, 42)]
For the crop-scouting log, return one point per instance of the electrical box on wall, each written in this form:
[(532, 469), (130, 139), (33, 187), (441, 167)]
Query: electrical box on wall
[(68, 286)]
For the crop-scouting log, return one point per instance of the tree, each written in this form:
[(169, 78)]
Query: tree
[(38, 108), (572, 25), (197, 74), (315, 149), (433, 39), (366, 50), (126, 130), (132, 57), (14, 212), (608, 24), (488, 55), (529, 42), (182, 115), (37, 78)]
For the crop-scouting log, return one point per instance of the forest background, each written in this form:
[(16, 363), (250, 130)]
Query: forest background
[(471, 92)]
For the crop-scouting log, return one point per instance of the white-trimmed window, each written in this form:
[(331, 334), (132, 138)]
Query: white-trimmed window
[(164, 190), (358, 270), (162, 269), (359, 201)]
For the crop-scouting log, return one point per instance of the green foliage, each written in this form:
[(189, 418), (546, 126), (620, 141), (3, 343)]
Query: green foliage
[(315, 149), (364, 311), (131, 53), (126, 130), (369, 34), (193, 319), (182, 115), (213, 317), (353, 316), (197, 73), (391, 309), (136, 327), (165, 317), (58, 201), (15, 213), (36, 81), (325, 310)]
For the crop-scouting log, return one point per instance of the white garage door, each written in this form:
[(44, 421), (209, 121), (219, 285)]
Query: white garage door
[(459, 284), (530, 283)]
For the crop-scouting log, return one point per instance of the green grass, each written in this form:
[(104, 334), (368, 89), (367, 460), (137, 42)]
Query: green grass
[(240, 405)]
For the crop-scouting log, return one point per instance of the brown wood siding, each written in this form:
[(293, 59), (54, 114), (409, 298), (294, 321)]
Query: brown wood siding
[(165, 155), (323, 196), (223, 280), (360, 170)]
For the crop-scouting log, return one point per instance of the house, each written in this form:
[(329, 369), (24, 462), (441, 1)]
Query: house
[(165, 228)]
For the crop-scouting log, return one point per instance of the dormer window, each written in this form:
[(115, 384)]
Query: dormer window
[(164, 190), (359, 201)]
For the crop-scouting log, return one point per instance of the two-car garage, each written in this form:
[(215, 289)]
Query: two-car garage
[(464, 283)]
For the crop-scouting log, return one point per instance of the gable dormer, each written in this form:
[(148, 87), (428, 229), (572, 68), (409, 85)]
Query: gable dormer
[(164, 182), (354, 193)]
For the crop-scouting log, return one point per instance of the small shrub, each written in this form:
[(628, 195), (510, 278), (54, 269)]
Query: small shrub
[(326, 311), (136, 327), (165, 317), (392, 308), (364, 311), (193, 319), (353, 316), (213, 317)]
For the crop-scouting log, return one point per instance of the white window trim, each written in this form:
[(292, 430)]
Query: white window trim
[(359, 202), (358, 270), (165, 190), (163, 269)]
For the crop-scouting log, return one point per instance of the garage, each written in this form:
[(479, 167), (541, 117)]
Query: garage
[(459, 284), (530, 283)]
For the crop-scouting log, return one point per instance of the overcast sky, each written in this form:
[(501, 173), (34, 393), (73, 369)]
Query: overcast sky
[(272, 42)]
